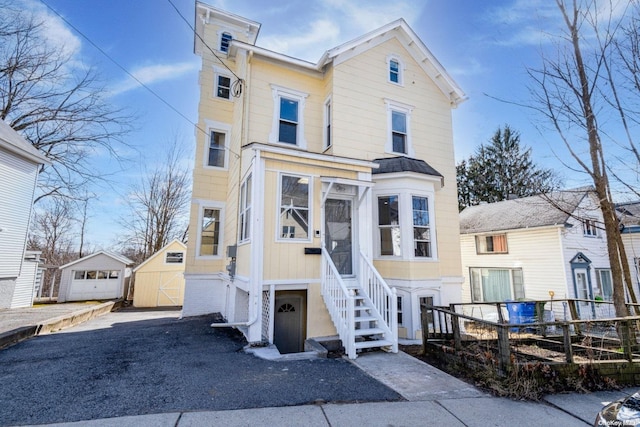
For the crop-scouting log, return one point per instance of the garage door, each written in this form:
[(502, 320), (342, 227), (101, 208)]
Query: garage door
[(92, 284)]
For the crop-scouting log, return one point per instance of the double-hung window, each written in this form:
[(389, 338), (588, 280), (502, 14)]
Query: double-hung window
[(223, 86), (216, 149), (327, 123), (603, 278), (216, 153), (288, 118), (496, 284), (389, 226), (209, 232), (294, 207), (395, 70), (589, 227), (399, 132), (421, 230), (399, 128), (288, 128), (245, 210)]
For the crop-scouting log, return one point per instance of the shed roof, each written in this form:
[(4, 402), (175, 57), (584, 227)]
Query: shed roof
[(117, 257), (543, 210)]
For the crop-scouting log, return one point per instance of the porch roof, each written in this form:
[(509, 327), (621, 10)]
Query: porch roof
[(404, 164)]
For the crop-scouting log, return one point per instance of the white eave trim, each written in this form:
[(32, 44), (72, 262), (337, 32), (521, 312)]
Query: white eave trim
[(311, 156)]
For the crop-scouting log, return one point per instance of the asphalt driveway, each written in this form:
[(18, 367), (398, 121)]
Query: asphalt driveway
[(132, 362)]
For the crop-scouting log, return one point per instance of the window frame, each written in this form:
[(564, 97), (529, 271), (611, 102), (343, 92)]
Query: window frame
[(428, 227), (405, 109), (279, 226), (222, 128), (589, 227), (599, 282), (278, 93), (400, 71), (244, 210), (222, 40), (217, 73), (202, 205), (389, 226), (514, 295), (486, 251), (327, 132)]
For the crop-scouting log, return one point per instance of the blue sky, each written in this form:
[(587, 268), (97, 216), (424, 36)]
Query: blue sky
[(486, 46)]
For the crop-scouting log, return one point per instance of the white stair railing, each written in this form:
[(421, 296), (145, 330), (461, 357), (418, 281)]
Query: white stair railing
[(383, 298), (340, 303)]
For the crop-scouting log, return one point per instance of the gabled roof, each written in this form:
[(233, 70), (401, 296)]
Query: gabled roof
[(161, 250), (117, 257), (12, 141), (629, 214), (528, 212), (418, 50)]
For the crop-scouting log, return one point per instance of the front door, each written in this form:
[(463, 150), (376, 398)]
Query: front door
[(583, 291), (289, 324), (338, 234)]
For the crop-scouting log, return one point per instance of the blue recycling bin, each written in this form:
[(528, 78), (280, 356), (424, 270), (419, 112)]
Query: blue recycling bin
[(521, 312)]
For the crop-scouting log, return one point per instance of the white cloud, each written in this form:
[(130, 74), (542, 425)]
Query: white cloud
[(333, 22), (154, 74), (57, 34)]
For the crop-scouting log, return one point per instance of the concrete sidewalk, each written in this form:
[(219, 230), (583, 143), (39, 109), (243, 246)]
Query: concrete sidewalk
[(432, 396)]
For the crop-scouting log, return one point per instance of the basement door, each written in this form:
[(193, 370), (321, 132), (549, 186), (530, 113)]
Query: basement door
[(289, 325)]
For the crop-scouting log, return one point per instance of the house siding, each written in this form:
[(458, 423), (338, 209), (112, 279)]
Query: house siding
[(18, 177)]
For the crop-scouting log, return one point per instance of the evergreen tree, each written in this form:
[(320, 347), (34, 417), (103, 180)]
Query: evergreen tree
[(499, 170)]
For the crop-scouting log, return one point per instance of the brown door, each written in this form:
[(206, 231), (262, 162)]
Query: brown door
[(289, 321)]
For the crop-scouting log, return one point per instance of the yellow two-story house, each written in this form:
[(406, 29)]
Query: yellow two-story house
[(324, 194)]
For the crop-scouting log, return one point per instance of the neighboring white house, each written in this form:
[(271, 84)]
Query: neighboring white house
[(98, 276), (159, 281), (20, 163), (629, 214), (535, 247)]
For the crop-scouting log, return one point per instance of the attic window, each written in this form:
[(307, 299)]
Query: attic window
[(492, 244), (174, 258), (589, 227), (225, 40), (395, 70)]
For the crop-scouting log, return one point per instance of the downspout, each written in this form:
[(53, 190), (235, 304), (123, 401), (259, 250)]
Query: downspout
[(243, 134)]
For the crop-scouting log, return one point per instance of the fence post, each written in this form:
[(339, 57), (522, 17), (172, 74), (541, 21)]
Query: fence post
[(542, 330), (504, 349), (457, 342), (626, 339), (573, 308), (568, 349)]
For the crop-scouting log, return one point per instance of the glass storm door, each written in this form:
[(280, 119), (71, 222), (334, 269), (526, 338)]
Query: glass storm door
[(338, 234)]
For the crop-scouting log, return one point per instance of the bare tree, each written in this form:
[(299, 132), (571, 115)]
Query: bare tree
[(52, 233), (55, 103), (158, 204), (575, 91)]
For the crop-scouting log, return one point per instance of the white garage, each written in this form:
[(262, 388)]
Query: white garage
[(99, 276)]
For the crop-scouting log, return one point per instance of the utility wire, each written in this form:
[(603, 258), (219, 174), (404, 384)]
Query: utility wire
[(116, 63), (237, 90)]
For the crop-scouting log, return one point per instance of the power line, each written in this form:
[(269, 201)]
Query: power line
[(237, 90), (116, 63)]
